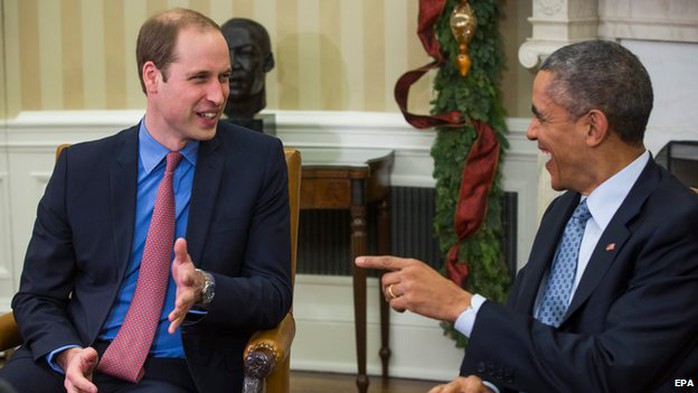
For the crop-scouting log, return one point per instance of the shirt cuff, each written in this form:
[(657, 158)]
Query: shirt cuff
[(50, 358), (466, 320), (491, 386)]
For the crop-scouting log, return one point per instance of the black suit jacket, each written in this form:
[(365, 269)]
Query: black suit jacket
[(238, 230), (632, 325)]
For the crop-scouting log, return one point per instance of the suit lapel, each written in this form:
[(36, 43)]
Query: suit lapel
[(615, 236), (207, 180), (544, 247), (123, 178)]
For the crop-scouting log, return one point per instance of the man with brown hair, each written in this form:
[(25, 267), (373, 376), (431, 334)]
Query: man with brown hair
[(108, 299)]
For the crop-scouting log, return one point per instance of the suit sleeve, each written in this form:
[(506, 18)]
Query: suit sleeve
[(259, 294), (47, 278)]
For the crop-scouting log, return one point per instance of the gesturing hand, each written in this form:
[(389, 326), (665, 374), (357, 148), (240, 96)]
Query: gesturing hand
[(412, 285), (78, 363), (189, 283), (471, 384)]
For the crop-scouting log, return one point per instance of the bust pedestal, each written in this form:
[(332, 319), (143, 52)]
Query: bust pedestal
[(262, 122)]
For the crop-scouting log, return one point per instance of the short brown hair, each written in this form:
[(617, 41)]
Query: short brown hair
[(158, 36)]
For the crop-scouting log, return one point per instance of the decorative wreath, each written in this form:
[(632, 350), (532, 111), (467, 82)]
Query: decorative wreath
[(463, 40)]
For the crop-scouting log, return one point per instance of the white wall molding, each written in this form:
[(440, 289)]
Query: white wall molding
[(673, 20), (650, 29), (557, 23)]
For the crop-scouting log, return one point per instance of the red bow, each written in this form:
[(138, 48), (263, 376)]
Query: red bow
[(481, 164)]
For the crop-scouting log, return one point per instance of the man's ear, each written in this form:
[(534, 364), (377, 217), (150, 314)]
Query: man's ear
[(268, 63), (151, 77), (597, 127)]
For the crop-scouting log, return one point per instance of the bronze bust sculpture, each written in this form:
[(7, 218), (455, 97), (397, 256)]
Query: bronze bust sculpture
[(250, 59)]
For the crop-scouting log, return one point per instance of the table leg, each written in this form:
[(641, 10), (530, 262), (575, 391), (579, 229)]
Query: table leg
[(383, 248), (384, 351), (359, 247)]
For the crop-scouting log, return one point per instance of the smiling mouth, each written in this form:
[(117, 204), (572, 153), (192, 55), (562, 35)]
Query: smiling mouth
[(208, 115)]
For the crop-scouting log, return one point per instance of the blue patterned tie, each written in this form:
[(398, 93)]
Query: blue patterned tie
[(554, 303)]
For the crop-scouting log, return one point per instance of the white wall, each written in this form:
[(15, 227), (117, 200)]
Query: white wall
[(672, 67)]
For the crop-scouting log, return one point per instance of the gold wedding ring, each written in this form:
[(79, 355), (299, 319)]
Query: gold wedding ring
[(390, 292)]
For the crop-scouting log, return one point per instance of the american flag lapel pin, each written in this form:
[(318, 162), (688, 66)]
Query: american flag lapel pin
[(610, 246)]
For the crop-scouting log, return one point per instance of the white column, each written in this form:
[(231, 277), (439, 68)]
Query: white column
[(557, 23)]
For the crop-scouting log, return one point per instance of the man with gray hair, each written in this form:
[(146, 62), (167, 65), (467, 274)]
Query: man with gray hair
[(607, 300)]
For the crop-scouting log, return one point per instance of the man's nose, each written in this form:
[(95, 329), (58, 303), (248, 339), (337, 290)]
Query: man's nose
[(217, 92), (532, 130)]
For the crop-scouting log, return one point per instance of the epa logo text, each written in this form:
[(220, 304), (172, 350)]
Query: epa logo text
[(683, 383)]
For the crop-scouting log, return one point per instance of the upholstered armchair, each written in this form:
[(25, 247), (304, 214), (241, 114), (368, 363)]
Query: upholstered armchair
[(9, 333), (267, 353)]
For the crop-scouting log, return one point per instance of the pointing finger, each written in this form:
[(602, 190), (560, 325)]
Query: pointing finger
[(385, 262)]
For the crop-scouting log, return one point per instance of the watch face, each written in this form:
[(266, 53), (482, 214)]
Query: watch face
[(208, 291)]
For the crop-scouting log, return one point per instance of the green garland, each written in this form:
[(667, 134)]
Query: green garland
[(477, 97)]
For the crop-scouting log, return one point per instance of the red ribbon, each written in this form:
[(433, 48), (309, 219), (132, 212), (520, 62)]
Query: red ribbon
[(477, 179), (481, 163), (429, 12)]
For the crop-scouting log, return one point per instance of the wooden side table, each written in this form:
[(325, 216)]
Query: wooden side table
[(351, 179)]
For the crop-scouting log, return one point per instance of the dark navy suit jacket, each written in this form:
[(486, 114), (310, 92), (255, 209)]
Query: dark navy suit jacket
[(632, 325), (238, 230)]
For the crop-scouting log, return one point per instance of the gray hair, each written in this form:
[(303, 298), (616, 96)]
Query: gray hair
[(606, 76)]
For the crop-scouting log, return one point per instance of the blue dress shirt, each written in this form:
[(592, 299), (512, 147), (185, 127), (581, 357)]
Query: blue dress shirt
[(151, 168)]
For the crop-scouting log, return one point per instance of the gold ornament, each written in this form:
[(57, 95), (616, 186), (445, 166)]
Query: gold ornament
[(463, 24)]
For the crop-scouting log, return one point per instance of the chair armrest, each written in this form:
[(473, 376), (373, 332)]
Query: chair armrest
[(267, 349), (9, 332)]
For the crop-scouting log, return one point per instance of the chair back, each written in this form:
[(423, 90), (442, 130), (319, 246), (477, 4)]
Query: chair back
[(60, 148), (293, 163)]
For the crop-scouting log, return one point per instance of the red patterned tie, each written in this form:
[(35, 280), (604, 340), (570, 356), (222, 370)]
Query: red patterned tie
[(125, 355)]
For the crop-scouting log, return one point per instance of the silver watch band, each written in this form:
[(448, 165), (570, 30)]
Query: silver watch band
[(209, 289)]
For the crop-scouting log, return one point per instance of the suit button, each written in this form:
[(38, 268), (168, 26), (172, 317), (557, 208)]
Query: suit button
[(509, 376), (481, 367), (491, 368)]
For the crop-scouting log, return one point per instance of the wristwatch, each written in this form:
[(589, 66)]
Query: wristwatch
[(209, 289)]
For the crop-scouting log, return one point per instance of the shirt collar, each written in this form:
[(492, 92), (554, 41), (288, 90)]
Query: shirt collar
[(605, 200), (152, 152)]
